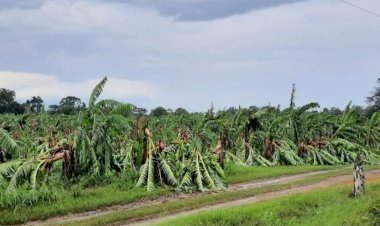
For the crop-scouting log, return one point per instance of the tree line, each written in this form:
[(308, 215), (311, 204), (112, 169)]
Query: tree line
[(69, 105), (72, 105)]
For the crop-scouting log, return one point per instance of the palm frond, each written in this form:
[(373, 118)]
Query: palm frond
[(121, 109), (143, 175), (198, 173), (22, 172), (168, 172), (206, 175), (7, 144), (97, 91)]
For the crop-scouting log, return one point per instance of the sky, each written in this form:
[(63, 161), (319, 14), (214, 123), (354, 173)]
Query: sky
[(189, 53)]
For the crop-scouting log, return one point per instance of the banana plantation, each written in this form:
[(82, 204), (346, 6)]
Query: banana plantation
[(188, 152)]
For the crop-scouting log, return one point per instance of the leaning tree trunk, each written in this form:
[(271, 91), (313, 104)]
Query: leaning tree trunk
[(358, 177), (246, 140), (145, 145), (62, 152), (138, 127), (219, 152)]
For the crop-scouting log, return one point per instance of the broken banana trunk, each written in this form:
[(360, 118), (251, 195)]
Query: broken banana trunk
[(359, 178)]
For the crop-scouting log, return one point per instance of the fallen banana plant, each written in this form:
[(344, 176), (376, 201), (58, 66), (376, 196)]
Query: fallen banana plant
[(284, 153), (155, 169)]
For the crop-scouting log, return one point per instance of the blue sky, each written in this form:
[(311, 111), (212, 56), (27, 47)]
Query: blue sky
[(187, 53)]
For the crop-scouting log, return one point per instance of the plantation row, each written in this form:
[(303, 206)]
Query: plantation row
[(187, 152)]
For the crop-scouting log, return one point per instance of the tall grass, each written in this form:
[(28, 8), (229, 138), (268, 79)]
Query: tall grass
[(21, 197), (327, 207)]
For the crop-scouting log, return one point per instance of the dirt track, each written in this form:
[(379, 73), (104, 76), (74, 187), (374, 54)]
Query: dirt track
[(338, 180), (243, 186)]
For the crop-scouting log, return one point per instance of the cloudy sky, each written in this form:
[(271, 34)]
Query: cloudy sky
[(190, 52)]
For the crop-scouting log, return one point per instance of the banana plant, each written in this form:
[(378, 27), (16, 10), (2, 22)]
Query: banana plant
[(8, 147), (285, 154), (156, 170), (96, 125), (198, 168)]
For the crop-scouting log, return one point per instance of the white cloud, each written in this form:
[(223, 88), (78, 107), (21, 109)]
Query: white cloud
[(50, 87)]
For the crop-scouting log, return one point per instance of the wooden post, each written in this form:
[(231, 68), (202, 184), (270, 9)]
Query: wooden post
[(359, 179)]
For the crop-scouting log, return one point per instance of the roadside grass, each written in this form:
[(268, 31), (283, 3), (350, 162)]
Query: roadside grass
[(87, 200), (174, 206), (326, 207), (377, 158), (240, 174), (102, 196), (95, 198)]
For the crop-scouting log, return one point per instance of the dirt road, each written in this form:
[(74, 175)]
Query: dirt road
[(338, 180), (243, 186)]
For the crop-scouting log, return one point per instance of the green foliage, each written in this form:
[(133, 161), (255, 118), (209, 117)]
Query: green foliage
[(22, 198), (97, 91), (158, 111), (70, 105), (8, 147), (181, 111), (35, 105), (8, 103), (70, 200), (374, 212), (105, 143), (374, 100), (156, 169)]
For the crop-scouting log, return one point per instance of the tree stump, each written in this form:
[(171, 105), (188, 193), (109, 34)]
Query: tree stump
[(359, 179)]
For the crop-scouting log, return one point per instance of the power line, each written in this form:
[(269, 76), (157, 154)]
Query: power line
[(360, 8)]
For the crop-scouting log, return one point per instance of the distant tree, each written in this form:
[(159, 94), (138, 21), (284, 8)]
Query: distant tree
[(335, 111), (231, 110), (360, 110), (35, 105), (70, 105), (139, 111), (16, 108), (158, 111), (210, 113), (8, 103), (374, 100), (254, 108), (53, 109), (181, 111)]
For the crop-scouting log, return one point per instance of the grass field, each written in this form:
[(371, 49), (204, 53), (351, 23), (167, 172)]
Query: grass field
[(173, 206), (94, 198), (240, 174), (87, 200), (325, 207)]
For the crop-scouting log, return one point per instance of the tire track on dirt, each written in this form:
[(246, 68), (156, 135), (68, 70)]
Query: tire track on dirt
[(177, 196), (337, 180)]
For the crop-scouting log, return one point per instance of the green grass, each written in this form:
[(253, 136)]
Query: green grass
[(243, 174), (91, 199), (87, 200), (327, 207), (173, 206), (94, 198)]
